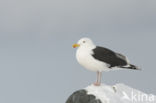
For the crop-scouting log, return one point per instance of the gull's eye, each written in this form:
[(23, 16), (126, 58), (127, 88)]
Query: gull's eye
[(84, 41)]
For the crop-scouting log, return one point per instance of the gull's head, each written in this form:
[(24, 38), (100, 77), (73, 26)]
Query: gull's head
[(83, 42)]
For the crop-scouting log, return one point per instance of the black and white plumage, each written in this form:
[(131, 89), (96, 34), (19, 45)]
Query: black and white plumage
[(96, 58), (112, 58)]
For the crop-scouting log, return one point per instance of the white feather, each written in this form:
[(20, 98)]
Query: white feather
[(85, 58)]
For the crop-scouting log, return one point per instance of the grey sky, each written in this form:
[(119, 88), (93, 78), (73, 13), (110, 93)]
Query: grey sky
[(37, 61)]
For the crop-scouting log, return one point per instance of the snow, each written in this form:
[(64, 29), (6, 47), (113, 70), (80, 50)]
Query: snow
[(119, 93)]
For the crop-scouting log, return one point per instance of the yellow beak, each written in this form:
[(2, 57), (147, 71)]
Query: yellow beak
[(76, 45)]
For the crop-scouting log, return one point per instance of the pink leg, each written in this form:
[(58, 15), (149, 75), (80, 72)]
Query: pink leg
[(98, 81), (100, 74)]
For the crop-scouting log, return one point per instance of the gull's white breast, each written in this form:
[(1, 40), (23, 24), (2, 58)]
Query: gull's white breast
[(85, 58)]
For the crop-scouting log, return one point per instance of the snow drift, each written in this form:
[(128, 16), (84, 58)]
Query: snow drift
[(118, 93)]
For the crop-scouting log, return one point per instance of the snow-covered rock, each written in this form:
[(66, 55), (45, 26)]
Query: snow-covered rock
[(118, 93)]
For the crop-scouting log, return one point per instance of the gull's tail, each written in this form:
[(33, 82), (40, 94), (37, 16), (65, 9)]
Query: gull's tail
[(131, 66)]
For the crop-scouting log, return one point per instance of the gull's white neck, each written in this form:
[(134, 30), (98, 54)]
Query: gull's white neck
[(86, 47), (84, 51)]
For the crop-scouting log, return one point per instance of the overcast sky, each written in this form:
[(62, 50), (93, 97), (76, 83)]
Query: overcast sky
[(37, 61)]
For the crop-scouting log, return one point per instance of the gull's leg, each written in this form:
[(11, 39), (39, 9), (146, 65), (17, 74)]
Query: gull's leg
[(98, 79), (100, 74)]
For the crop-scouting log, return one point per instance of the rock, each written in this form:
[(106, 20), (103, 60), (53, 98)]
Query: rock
[(118, 93)]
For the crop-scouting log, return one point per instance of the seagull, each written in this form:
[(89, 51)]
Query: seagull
[(99, 59)]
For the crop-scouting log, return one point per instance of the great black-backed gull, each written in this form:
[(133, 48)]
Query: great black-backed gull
[(98, 59)]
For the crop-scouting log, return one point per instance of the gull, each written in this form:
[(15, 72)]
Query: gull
[(99, 59)]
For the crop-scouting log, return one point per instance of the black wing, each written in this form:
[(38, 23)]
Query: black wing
[(109, 57)]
